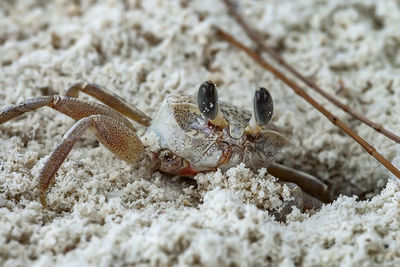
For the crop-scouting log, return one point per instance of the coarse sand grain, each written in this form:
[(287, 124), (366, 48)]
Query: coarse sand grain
[(104, 211)]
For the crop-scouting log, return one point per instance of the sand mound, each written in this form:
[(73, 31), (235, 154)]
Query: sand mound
[(107, 212)]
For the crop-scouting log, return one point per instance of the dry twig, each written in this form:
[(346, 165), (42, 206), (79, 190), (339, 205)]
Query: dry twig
[(335, 120), (253, 35)]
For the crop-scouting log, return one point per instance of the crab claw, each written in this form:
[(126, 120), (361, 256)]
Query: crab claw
[(263, 109)]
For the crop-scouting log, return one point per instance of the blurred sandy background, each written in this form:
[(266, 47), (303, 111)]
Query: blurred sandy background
[(107, 212)]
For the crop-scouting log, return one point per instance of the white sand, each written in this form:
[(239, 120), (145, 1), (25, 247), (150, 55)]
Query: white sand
[(107, 212)]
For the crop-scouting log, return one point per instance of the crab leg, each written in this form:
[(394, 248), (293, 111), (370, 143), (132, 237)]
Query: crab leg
[(111, 128), (116, 136), (307, 182), (301, 200), (110, 100), (72, 107)]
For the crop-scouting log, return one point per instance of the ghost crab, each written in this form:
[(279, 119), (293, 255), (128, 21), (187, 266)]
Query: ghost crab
[(195, 135)]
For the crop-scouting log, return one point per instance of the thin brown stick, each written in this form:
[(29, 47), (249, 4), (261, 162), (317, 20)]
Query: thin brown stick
[(253, 35), (335, 120)]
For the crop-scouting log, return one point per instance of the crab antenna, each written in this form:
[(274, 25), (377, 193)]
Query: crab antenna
[(207, 101), (263, 109)]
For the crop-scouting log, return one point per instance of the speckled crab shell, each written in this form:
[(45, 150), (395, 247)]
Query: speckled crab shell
[(183, 130)]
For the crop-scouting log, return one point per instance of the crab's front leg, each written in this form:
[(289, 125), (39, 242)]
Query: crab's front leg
[(112, 133)]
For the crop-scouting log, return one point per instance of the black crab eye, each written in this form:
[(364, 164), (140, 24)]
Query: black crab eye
[(263, 106), (207, 100)]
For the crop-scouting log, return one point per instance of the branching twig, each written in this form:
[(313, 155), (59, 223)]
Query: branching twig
[(260, 43), (335, 120)]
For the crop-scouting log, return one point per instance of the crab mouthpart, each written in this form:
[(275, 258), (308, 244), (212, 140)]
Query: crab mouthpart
[(187, 172), (169, 162)]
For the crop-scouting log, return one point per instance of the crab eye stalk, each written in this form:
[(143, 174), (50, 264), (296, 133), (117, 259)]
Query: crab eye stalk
[(263, 109), (263, 106), (207, 100)]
